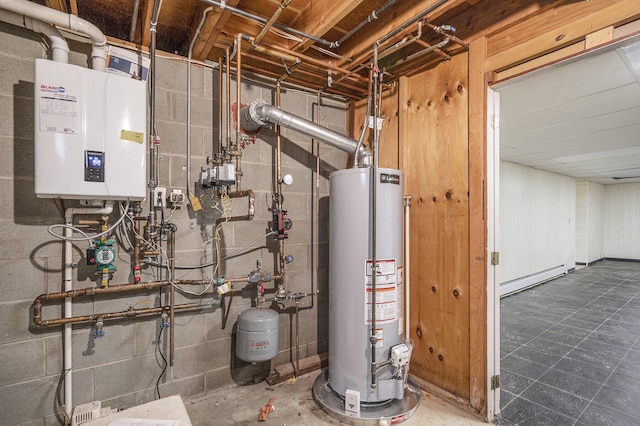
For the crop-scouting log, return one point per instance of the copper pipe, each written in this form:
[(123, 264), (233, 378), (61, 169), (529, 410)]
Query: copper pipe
[(303, 83), (297, 340), (279, 180), (220, 80), (278, 55), (305, 58), (97, 291), (129, 313), (238, 105), (250, 210), (228, 92), (274, 17), (444, 55), (441, 31), (299, 70)]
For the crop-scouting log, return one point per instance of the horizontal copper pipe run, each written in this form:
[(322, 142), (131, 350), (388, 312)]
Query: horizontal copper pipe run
[(97, 291), (129, 313)]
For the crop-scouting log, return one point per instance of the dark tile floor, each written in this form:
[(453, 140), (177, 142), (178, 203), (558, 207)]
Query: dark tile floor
[(570, 349)]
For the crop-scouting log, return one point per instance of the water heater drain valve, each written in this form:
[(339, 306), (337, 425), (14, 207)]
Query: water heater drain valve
[(400, 355)]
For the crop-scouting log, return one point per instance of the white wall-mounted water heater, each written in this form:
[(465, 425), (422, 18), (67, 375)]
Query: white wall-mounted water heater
[(90, 138)]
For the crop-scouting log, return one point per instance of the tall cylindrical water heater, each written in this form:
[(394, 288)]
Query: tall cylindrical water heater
[(350, 282)]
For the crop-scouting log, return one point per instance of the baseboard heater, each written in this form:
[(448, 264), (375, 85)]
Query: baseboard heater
[(520, 284)]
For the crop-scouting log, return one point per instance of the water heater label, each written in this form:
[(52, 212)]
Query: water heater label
[(386, 301), (58, 109), (387, 178)]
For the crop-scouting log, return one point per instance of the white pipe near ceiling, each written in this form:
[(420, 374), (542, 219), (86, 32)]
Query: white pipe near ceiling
[(64, 20), (59, 46)]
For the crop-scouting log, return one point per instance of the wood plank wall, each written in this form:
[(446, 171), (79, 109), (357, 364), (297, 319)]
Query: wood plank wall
[(438, 138), (434, 134)]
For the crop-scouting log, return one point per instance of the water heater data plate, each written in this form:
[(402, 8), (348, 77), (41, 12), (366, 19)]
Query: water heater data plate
[(89, 134)]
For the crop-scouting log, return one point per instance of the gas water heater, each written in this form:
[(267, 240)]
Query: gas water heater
[(349, 390), (90, 139)]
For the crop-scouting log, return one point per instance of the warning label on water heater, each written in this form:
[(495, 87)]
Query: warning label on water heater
[(58, 109), (386, 303)]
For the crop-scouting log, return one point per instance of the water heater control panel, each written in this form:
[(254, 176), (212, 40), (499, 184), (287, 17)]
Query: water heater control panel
[(93, 166)]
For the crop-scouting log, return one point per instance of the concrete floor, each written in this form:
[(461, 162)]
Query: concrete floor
[(294, 405)]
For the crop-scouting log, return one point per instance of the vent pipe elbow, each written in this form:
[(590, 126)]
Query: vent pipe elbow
[(59, 46), (259, 114), (64, 20)]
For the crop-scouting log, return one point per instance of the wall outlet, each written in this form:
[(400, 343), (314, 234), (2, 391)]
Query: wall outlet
[(160, 197)]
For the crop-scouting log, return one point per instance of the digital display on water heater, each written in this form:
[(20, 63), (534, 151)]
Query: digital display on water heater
[(94, 166), (94, 160)]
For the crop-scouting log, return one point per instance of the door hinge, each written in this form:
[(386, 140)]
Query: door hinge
[(495, 258), (495, 121), (495, 382)]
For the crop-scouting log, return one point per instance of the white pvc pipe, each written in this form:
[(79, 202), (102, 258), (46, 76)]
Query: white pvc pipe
[(68, 305), (61, 19), (407, 262), (59, 46)]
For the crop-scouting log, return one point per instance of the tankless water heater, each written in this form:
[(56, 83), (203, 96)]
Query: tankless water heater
[(89, 134)]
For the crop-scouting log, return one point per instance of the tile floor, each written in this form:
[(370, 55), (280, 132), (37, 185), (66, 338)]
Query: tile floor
[(570, 349)]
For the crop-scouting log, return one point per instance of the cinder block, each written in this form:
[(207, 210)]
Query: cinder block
[(124, 377), (15, 70), (21, 280), (201, 111), (118, 343), (27, 401), (163, 104), (187, 388), (201, 358), (172, 75), (22, 361), (173, 136), (15, 322), (21, 42)]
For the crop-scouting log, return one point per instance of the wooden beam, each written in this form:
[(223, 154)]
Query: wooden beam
[(74, 7), (554, 29), (147, 11), (216, 20), (60, 5), (598, 38), (477, 226), (318, 17)]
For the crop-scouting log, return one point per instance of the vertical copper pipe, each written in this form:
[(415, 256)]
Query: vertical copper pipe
[(220, 77), (228, 93), (238, 84), (279, 177), (297, 340), (172, 293)]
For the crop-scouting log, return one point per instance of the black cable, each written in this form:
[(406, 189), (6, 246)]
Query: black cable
[(164, 368)]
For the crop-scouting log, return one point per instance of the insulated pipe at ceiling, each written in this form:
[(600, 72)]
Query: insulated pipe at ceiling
[(59, 46), (259, 113), (61, 19)]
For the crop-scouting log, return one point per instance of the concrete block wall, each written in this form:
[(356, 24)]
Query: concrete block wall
[(122, 368)]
